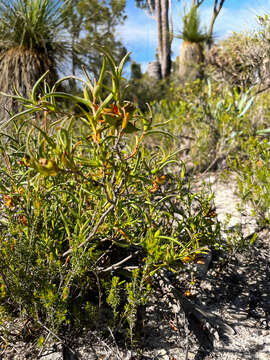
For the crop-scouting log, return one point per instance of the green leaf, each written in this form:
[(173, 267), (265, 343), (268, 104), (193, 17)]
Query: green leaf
[(35, 87), (247, 106), (130, 128)]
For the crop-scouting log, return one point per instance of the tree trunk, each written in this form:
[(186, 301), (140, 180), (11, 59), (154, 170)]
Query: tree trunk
[(159, 29), (153, 70), (166, 46), (190, 61), (164, 43)]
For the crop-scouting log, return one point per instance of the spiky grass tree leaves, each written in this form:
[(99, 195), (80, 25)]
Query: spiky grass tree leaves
[(30, 43)]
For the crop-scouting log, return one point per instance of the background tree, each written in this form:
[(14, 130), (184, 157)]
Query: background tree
[(90, 23), (159, 10), (191, 58), (32, 40), (191, 52), (30, 44)]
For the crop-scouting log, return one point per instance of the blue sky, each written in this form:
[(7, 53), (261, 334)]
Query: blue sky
[(139, 31)]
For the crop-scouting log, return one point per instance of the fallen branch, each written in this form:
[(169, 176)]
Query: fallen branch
[(202, 323)]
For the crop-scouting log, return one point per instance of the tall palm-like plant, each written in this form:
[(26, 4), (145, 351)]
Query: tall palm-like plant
[(191, 53), (30, 44)]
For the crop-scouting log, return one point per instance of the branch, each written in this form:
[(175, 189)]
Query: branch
[(216, 11), (75, 355), (117, 265), (152, 11), (202, 322), (197, 3), (94, 231), (262, 90)]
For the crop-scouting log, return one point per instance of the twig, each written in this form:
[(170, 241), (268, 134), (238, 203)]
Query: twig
[(117, 265), (8, 343), (94, 231), (100, 341), (217, 158), (262, 90), (59, 339), (44, 344), (115, 344), (197, 312)]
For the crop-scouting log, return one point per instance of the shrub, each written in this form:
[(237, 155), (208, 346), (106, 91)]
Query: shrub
[(88, 218), (209, 122), (253, 178), (242, 60)]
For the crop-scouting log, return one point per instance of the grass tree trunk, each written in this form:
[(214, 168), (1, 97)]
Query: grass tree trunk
[(30, 44), (191, 61), (191, 53), (20, 68)]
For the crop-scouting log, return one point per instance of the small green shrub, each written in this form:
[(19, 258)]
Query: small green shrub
[(210, 122), (253, 178), (87, 217)]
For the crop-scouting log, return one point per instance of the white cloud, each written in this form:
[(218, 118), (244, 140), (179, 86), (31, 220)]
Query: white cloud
[(137, 29)]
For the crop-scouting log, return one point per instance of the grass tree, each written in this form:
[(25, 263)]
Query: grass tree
[(30, 44), (191, 52)]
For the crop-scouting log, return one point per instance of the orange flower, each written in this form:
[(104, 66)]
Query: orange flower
[(8, 201), (23, 219), (159, 180), (260, 163), (186, 259)]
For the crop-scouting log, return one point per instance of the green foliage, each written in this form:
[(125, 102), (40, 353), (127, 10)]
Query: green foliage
[(209, 122), (136, 72), (113, 298), (32, 24), (87, 217), (137, 296), (145, 90), (253, 178)]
